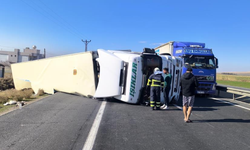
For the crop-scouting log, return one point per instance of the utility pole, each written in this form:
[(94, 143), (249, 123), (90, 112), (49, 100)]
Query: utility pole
[(86, 44), (44, 51)]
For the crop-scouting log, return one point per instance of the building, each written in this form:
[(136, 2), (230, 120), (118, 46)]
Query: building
[(2, 70), (18, 56)]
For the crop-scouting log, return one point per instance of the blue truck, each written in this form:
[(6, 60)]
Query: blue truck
[(197, 56)]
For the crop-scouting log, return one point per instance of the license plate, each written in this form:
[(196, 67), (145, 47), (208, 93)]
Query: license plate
[(200, 92)]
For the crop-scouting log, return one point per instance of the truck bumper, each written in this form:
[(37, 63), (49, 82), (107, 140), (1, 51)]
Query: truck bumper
[(211, 92), (206, 88)]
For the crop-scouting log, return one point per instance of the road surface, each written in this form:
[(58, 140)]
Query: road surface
[(63, 122)]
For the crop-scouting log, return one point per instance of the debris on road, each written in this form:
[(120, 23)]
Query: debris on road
[(20, 104), (11, 102)]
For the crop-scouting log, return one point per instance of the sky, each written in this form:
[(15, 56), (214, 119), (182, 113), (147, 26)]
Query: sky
[(59, 26)]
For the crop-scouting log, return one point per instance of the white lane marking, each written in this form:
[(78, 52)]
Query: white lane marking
[(237, 105), (179, 107), (90, 141)]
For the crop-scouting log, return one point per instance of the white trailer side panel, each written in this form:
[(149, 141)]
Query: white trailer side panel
[(70, 73)]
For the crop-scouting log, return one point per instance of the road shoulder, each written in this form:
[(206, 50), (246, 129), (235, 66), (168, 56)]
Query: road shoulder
[(11, 108)]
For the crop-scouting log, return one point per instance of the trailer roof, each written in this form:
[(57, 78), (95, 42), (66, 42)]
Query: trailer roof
[(178, 43)]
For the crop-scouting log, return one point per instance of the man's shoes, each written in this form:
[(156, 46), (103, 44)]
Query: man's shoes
[(153, 108), (188, 121), (165, 107), (158, 108)]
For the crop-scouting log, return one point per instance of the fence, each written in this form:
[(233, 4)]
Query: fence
[(233, 90)]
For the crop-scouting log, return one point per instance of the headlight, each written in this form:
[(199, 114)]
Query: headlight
[(214, 87)]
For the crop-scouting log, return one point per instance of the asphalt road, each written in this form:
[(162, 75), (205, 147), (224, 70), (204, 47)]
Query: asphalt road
[(63, 121), (59, 122)]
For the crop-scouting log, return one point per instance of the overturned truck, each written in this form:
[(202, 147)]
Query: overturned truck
[(103, 73)]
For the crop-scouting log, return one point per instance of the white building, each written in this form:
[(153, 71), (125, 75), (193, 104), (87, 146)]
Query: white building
[(17, 56)]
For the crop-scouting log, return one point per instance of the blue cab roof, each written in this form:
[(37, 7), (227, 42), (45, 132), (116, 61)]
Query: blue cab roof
[(191, 48), (187, 44)]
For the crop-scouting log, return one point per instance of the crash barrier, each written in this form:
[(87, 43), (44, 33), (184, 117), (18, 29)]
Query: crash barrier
[(233, 91)]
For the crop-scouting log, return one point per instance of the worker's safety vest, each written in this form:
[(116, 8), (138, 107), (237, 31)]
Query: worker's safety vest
[(156, 80)]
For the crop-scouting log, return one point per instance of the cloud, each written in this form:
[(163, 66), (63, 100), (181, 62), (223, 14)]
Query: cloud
[(142, 42), (157, 44)]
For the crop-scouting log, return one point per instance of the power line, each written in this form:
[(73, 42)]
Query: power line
[(86, 44), (4, 47), (64, 21), (59, 23), (7, 46)]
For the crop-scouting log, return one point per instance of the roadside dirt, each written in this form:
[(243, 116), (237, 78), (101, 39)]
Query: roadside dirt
[(14, 107)]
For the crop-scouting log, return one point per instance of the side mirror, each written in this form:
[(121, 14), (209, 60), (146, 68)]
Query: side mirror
[(216, 62)]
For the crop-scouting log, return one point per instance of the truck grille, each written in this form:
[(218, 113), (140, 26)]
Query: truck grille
[(204, 78), (204, 87), (209, 85)]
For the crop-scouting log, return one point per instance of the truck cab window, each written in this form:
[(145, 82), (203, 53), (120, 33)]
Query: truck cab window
[(200, 62)]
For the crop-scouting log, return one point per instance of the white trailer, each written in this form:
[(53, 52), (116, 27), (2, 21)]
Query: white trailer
[(119, 74), (73, 73)]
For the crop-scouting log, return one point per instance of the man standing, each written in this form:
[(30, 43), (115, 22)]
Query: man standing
[(188, 84), (167, 80), (156, 83)]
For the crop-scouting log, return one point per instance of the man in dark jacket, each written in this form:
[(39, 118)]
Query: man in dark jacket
[(188, 84)]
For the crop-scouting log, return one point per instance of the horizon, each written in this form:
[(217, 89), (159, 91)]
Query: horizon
[(59, 26), (246, 72)]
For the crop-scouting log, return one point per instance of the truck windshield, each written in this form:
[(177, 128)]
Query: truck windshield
[(201, 62)]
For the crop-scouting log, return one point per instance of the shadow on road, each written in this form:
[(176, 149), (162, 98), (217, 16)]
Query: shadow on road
[(204, 109), (223, 120)]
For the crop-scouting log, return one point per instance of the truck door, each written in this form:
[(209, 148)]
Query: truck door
[(149, 63), (165, 63), (111, 71), (175, 79), (172, 81), (177, 83)]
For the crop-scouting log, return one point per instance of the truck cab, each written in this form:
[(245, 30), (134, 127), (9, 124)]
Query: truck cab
[(124, 74), (199, 58)]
